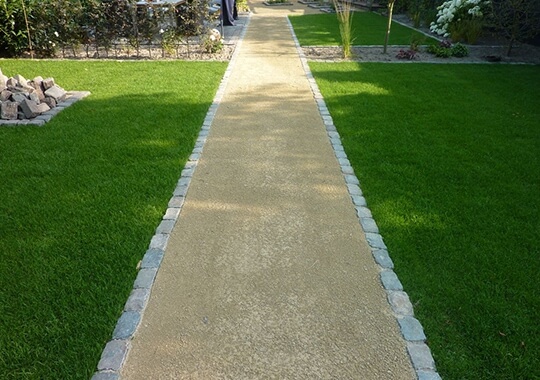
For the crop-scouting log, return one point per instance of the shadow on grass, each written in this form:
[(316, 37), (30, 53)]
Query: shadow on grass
[(81, 198)]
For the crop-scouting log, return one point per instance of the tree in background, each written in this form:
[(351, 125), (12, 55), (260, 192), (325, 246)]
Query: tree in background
[(517, 20)]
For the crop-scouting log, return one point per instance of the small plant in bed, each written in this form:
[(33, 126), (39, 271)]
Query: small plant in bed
[(408, 54), (445, 49)]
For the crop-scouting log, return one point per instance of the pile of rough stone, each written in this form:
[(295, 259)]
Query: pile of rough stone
[(27, 99)]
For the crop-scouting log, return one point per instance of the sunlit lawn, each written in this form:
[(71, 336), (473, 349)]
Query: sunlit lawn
[(449, 160), (368, 28)]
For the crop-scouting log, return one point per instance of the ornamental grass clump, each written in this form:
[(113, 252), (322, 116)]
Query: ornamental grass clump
[(344, 16), (462, 20)]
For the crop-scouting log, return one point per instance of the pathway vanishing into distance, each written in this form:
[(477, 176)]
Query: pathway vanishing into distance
[(267, 273)]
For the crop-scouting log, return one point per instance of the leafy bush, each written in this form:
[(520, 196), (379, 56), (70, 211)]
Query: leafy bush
[(459, 50), (445, 49), (460, 19), (46, 27)]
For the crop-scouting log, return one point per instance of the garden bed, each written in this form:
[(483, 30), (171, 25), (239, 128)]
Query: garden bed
[(477, 54)]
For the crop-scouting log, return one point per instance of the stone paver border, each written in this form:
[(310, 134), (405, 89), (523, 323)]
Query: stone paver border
[(116, 350), (39, 121), (411, 329)]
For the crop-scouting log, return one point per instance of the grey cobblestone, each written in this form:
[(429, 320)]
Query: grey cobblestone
[(340, 154), (400, 303), (369, 225), (428, 375), (152, 258), (38, 123), (137, 300), (361, 210), (382, 258), (347, 170), (375, 240), (106, 376), (421, 356), (343, 161), (145, 278), (351, 179), (166, 226), (194, 157), (176, 202), (113, 355), (159, 241), (184, 181), (331, 128), (411, 329), (333, 135), (126, 325), (338, 146), (172, 213), (390, 280), (188, 172), (180, 191), (354, 189)]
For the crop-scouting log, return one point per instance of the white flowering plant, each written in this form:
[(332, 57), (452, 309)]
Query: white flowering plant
[(462, 20), (212, 42)]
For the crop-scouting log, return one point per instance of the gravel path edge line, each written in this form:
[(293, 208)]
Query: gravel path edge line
[(411, 329), (117, 349)]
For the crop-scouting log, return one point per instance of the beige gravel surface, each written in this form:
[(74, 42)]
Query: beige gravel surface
[(267, 274)]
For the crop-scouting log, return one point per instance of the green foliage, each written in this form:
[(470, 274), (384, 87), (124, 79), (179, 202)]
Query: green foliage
[(242, 6), (459, 50), (57, 25), (421, 12), (13, 37), (345, 17), (467, 30), (445, 49), (451, 172)]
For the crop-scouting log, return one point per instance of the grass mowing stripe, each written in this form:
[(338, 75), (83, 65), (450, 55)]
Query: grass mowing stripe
[(448, 158), (368, 28), (80, 200)]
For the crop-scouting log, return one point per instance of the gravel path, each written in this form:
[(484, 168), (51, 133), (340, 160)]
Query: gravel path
[(265, 269)]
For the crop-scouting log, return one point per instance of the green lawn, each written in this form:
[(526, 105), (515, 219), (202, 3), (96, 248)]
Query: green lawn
[(368, 29), (80, 199), (449, 160)]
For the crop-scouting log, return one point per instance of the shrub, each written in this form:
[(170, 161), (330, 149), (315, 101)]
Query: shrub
[(459, 50), (462, 20), (445, 49)]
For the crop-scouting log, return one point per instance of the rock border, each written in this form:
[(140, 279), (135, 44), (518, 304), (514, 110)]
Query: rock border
[(39, 121), (411, 329)]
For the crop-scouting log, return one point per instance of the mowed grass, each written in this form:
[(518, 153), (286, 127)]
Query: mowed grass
[(368, 28), (80, 199), (449, 160)]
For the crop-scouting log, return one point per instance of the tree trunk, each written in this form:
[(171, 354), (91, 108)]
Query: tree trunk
[(390, 12)]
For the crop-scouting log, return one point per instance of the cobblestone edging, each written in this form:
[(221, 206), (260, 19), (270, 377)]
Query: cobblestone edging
[(411, 329), (116, 350), (39, 121)]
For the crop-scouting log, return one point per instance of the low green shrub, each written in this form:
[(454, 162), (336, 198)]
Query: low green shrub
[(445, 49)]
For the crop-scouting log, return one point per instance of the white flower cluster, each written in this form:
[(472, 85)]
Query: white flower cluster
[(448, 10)]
